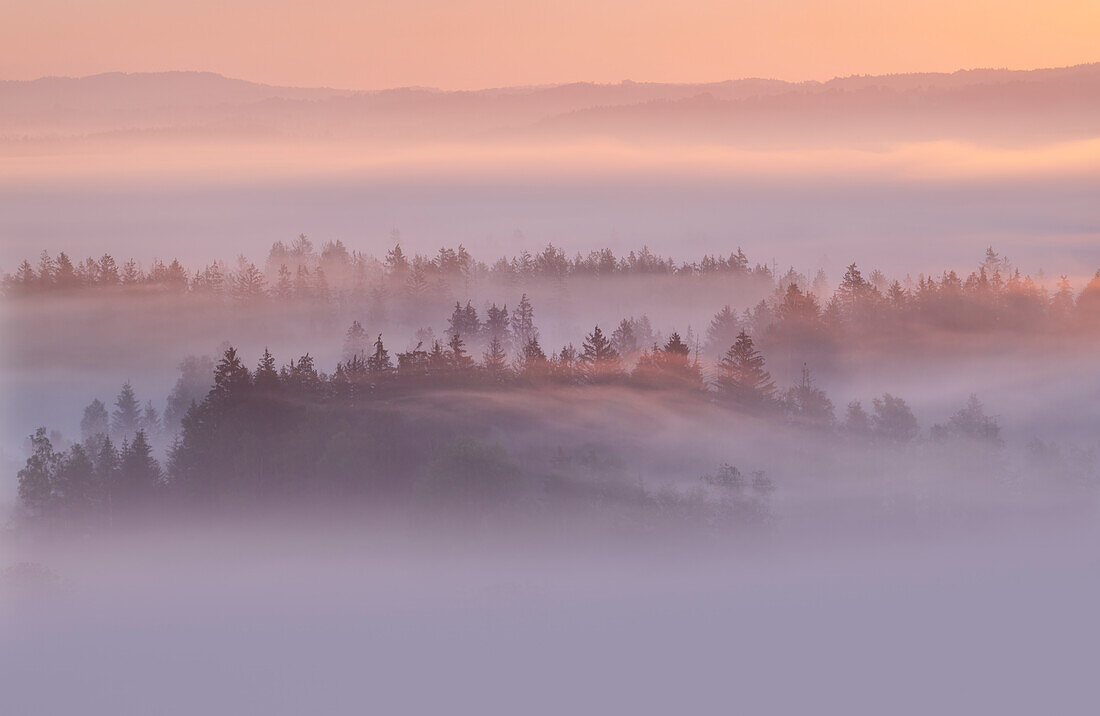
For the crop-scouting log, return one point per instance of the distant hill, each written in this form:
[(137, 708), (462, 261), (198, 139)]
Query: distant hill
[(1001, 105), (145, 90)]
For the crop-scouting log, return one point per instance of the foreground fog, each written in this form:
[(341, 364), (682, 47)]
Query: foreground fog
[(294, 617)]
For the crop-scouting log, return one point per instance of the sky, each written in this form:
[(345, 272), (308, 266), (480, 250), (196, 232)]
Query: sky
[(366, 44)]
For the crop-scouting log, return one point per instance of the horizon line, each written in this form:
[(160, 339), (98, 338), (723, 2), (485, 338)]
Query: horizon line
[(544, 85)]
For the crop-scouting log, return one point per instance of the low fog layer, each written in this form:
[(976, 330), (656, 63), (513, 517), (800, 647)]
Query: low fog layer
[(296, 617)]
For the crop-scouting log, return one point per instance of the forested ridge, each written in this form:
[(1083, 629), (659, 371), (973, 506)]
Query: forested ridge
[(417, 424), (438, 421)]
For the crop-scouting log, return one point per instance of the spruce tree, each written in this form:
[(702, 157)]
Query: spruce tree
[(532, 363), (65, 273), (680, 369), (231, 377), (138, 472), (192, 386), (396, 264), (284, 285), (75, 482), (24, 280), (379, 363), (106, 471), (496, 326), (807, 404), (523, 322), (437, 361), (108, 271), (266, 377), (722, 331), (459, 360), (355, 341), (495, 360), (416, 285), (126, 418), (741, 380), (624, 339), (566, 366), (249, 282), (600, 361)]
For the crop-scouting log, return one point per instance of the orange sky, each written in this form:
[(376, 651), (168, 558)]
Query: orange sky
[(366, 44)]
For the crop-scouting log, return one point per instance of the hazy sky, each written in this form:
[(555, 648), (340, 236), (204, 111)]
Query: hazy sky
[(365, 44)]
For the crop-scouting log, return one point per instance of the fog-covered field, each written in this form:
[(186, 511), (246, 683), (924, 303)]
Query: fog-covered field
[(284, 619)]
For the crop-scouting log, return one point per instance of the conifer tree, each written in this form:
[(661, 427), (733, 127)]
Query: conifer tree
[(722, 331), (320, 284), (150, 421), (458, 359), (623, 339), (438, 362), (523, 322), (106, 465), (95, 423), (131, 274), (24, 280), (379, 363), (231, 377), (741, 379), (416, 285), (36, 479), (65, 273), (303, 283), (47, 270), (413, 364), (396, 264), (284, 284), (495, 360), (532, 363), (970, 423), (106, 475), (191, 387), (126, 418), (75, 485), (806, 404), (355, 341), (139, 475), (249, 282), (496, 326), (108, 272), (464, 320), (566, 366), (600, 361), (266, 377)]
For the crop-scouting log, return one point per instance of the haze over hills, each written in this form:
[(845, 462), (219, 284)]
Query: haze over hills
[(971, 105), (876, 168)]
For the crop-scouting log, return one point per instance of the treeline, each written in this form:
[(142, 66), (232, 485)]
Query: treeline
[(995, 296), (273, 432), (298, 271)]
